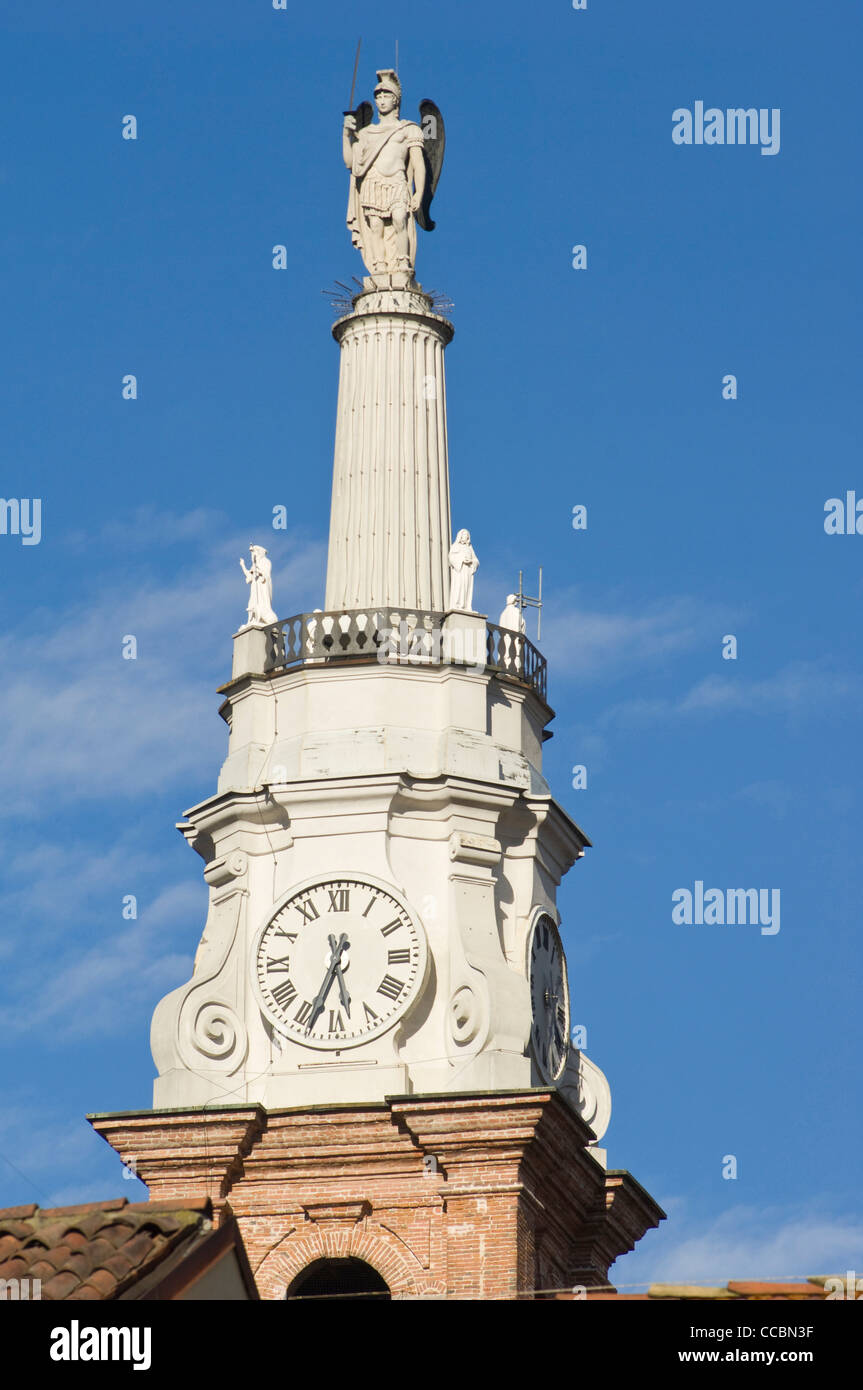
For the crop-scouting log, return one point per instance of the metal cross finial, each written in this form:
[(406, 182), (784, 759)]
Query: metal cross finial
[(525, 602)]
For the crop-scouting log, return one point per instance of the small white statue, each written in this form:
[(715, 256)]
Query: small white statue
[(260, 577), (463, 565), (511, 620), (512, 616)]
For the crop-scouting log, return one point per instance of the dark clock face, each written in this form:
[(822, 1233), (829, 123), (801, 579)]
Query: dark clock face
[(549, 996), (339, 963)]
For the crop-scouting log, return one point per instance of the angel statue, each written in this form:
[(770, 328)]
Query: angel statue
[(395, 166), (260, 577)]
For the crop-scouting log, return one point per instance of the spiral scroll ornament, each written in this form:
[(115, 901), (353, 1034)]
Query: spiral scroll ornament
[(218, 1033)]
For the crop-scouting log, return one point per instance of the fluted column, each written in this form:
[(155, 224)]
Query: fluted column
[(390, 517)]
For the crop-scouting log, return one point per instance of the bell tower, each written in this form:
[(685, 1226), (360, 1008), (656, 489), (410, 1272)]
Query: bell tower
[(371, 1064)]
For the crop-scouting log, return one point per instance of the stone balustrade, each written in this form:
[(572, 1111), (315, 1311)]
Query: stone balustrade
[(396, 636)]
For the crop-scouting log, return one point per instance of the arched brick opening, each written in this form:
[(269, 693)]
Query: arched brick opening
[(367, 1242), (345, 1278)]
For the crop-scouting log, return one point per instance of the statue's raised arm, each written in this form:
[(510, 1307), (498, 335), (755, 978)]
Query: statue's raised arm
[(395, 165)]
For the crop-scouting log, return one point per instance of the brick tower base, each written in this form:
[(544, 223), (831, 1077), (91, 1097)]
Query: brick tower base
[(491, 1195)]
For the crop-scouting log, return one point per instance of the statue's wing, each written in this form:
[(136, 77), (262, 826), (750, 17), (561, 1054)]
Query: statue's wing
[(363, 114), (434, 141)]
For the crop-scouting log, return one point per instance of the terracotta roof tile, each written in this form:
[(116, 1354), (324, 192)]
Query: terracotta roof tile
[(100, 1285), (754, 1289), (76, 1239), (119, 1265), (60, 1286), (58, 1257), (739, 1290), (688, 1291), (19, 1230), (117, 1234), (201, 1204), (138, 1247), (95, 1250), (115, 1204), (101, 1250)]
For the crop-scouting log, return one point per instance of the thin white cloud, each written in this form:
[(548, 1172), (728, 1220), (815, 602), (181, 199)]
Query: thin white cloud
[(744, 1242), (41, 1152), (587, 642), (37, 1150), (82, 727), (77, 992), (147, 528), (39, 875), (80, 722), (73, 1194), (797, 691)]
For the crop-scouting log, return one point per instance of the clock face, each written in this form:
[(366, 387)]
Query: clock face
[(339, 963), (549, 995)]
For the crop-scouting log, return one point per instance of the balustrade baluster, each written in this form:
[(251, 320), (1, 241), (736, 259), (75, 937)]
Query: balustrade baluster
[(316, 638)]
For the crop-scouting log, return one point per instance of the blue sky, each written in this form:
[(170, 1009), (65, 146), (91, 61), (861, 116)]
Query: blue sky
[(601, 387)]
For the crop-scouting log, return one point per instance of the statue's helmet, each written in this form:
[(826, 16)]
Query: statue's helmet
[(388, 82)]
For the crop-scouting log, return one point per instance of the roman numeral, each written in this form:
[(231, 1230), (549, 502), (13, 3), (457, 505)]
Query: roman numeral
[(391, 926), (307, 910), (400, 957), (370, 1013), (371, 903), (291, 935), (278, 963), (339, 899), (284, 994), (337, 1023), (390, 988), (303, 1011)]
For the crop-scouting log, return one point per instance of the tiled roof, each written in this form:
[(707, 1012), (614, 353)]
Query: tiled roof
[(95, 1251), (737, 1290)]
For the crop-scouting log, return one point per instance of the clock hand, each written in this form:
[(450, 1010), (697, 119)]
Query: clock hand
[(334, 965), (343, 989)]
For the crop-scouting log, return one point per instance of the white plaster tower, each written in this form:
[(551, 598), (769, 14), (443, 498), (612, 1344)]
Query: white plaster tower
[(383, 852), (383, 855)]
